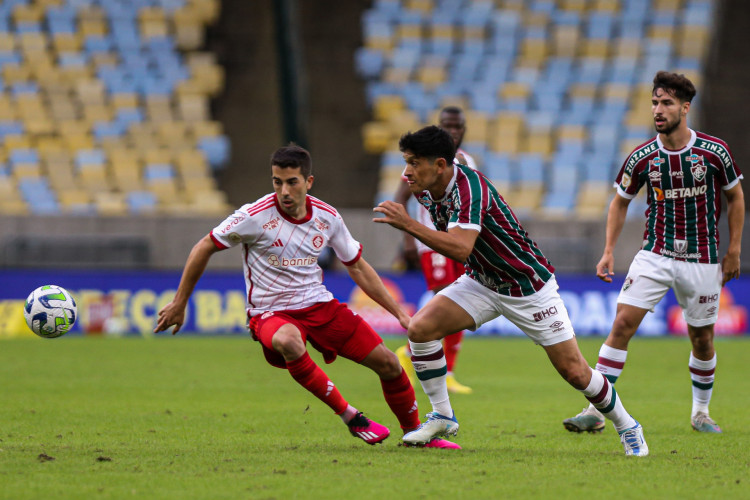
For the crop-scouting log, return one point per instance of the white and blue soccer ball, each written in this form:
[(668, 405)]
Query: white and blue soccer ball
[(50, 311)]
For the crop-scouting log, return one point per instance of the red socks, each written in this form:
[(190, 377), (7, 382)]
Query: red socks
[(399, 394), (311, 377), (451, 346)]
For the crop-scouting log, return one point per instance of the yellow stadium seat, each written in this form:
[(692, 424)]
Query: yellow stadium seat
[(478, 126), (692, 42), (539, 142), (594, 48), (525, 198), (90, 91), (32, 42), (454, 100), (193, 108), (420, 5), (66, 42), (386, 105), (17, 141), (156, 156), (514, 90), (605, 5), (15, 73), (536, 19), (627, 48), (7, 42), (431, 76), (396, 75), (7, 108), (576, 133), (70, 197), (565, 40), (572, 5), (95, 27), (124, 100), (616, 91), (153, 29), (659, 32), (582, 91), (592, 199), (100, 59), (39, 126), (27, 170), (191, 162), (27, 13), (673, 5), (94, 178), (534, 49), (110, 204), (189, 31), (376, 137), (78, 142), (93, 113)]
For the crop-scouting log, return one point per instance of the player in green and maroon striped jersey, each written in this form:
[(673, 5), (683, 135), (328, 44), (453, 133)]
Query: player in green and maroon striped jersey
[(684, 173), (506, 274)]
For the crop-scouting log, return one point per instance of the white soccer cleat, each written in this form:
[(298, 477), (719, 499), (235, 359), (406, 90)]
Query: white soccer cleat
[(436, 425), (633, 441)]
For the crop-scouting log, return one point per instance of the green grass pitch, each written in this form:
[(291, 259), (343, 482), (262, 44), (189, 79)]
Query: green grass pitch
[(187, 417)]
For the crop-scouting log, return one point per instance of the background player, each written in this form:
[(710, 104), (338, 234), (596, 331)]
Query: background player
[(282, 236), (439, 271), (684, 172), (507, 274)]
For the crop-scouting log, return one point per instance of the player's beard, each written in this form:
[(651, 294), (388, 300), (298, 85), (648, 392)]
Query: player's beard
[(669, 128)]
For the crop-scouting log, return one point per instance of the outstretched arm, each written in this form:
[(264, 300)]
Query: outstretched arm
[(174, 312), (730, 264), (368, 280), (457, 243), (618, 209)]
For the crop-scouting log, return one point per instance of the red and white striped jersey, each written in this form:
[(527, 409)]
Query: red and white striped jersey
[(280, 254), (423, 215)]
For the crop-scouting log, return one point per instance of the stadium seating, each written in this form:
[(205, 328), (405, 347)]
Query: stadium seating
[(556, 92), (104, 108)]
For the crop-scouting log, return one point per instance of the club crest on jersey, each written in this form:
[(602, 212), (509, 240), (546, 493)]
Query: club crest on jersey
[(317, 241), (234, 237), (698, 169), (272, 224), (628, 283)]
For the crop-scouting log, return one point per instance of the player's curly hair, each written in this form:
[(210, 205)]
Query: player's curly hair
[(675, 84), (293, 156), (430, 142)]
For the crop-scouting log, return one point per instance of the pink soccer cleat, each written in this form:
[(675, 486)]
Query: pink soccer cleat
[(367, 430), (442, 443)]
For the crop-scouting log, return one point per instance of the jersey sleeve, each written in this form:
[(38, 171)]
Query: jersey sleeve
[(469, 196), (730, 173), (347, 249), (629, 181), (238, 228)]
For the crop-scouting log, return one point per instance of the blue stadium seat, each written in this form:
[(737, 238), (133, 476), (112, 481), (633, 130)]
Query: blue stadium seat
[(20, 156), (90, 157), (530, 168), (105, 130), (216, 149), (141, 201)]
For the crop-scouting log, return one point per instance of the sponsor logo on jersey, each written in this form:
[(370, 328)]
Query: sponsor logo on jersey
[(719, 150), (545, 313), (656, 162), (698, 169), (272, 224), (322, 226), (278, 243), (677, 255), (677, 193), (236, 219), (680, 246), (677, 173), (557, 326), (708, 299), (276, 261), (317, 241), (234, 237)]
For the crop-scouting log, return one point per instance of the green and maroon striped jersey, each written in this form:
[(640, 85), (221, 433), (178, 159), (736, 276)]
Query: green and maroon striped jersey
[(504, 259), (684, 194)]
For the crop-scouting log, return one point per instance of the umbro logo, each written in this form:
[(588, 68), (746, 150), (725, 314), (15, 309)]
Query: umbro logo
[(278, 243)]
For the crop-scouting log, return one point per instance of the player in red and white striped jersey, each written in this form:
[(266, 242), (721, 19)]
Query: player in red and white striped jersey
[(684, 173), (439, 271), (282, 236)]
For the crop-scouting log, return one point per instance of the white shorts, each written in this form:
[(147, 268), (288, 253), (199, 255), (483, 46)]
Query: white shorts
[(541, 316), (696, 286)]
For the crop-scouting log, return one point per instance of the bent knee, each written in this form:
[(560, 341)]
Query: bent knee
[(288, 341)]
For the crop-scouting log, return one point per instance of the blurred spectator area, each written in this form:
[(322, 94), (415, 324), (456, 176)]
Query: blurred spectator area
[(104, 108), (556, 92)]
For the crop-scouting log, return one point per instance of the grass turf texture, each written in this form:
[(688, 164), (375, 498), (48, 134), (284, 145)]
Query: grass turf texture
[(187, 417)]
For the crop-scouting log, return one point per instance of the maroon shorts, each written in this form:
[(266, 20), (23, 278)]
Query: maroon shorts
[(439, 271), (331, 328)]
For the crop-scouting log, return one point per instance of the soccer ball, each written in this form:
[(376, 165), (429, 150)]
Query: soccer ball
[(50, 311)]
